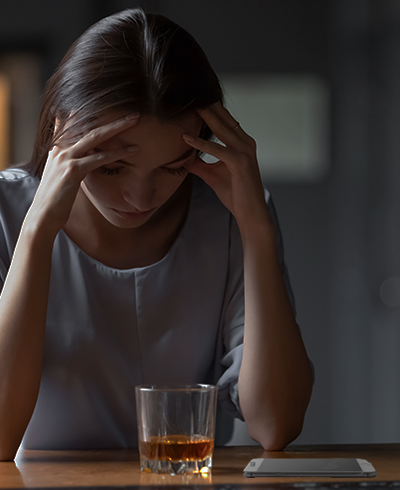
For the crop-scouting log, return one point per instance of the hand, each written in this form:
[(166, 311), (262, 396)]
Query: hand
[(235, 178), (65, 169)]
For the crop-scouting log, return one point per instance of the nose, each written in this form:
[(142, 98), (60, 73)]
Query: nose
[(139, 194)]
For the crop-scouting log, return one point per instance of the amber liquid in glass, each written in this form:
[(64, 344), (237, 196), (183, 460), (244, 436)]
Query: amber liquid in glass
[(177, 447)]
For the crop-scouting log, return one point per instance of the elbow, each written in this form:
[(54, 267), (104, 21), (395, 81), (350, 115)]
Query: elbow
[(9, 446), (7, 454), (277, 428), (275, 438), (275, 420)]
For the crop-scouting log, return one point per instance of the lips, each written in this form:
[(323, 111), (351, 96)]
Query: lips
[(128, 215)]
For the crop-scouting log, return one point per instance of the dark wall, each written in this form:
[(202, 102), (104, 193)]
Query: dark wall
[(325, 223)]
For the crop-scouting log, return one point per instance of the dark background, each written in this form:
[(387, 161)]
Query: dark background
[(341, 232)]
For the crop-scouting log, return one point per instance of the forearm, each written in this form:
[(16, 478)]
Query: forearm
[(23, 308), (275, 379)]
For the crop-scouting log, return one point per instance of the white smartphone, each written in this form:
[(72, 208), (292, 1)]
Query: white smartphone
[(333, 467)]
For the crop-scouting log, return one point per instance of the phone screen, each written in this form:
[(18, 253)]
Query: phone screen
[(332, 467), (309, 465)]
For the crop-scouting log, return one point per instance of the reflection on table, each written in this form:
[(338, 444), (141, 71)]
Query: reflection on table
[(111, 468)]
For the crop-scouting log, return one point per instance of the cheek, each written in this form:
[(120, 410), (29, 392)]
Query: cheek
[(90, 184), (157, 188), (97, 187)]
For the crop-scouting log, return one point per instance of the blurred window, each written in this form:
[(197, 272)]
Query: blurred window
[(20, 90), (289, 117)]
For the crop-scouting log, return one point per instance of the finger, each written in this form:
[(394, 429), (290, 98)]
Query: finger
[(222, 112), (217, 112), (224, 125), (216, 150), (103, 133), (221, 129), (98, 159), (72, 138)]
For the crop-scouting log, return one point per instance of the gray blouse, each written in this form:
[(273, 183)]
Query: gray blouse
[(179, 320)]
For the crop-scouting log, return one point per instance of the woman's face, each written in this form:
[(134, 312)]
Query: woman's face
[(128, 193)]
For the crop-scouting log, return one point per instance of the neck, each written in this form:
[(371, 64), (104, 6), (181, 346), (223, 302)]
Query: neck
[(128, 247)]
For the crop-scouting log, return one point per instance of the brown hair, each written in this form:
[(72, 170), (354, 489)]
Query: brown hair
[(128, 62)]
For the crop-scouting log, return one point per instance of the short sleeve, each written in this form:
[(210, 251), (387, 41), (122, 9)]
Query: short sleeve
[(17, 189)]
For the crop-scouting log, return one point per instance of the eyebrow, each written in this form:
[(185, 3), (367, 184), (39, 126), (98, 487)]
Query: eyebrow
[(184, 156)]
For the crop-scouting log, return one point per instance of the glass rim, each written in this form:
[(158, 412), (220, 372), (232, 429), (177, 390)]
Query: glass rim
[(176, 387)]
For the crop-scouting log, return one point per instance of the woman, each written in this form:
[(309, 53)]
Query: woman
[(130, 260)]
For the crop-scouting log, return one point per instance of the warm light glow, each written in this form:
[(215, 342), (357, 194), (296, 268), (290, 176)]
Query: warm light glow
[(4, 121), (205, 472)]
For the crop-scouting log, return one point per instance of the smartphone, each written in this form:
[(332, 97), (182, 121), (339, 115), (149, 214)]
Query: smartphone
[(333, 467)]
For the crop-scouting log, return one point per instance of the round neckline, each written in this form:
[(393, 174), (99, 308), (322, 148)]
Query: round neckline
[(182, 231)]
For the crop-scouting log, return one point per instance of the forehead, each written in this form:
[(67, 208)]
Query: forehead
[(159, 142), (152, 130)]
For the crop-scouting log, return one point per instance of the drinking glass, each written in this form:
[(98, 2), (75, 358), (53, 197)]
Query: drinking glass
[(176, 427)]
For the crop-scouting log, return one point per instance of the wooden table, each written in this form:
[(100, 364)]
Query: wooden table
[(121, 467)]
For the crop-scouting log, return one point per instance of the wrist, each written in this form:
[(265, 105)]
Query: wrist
[(37, 234), (258, 226)]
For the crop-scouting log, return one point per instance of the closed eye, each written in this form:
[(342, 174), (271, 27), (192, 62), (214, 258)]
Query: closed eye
[(182, 170), (177, 171), (109, 171)]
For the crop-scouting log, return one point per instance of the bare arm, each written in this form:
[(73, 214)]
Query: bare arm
[(23, 308), (23, 302), (275, 378)]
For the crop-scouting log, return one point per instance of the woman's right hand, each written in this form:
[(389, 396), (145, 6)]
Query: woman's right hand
[(66, 166), (24, 297)]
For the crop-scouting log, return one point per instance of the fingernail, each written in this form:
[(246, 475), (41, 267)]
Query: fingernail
[(189, 138), (135, 115), (132, 148)]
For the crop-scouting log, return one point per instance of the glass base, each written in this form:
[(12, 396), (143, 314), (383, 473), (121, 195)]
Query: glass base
[(176, 467)]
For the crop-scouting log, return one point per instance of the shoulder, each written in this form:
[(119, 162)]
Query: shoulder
[(15, 175), (12, 174), (15, 178), (17, 190)]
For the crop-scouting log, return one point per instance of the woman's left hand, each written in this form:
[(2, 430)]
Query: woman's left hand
[(275, 378), (235, 177)]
